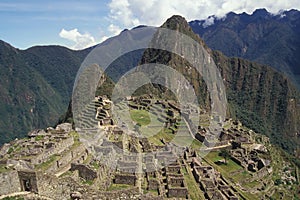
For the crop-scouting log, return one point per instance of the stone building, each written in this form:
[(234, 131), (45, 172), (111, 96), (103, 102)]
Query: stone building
[(28, 181), (128, 179)]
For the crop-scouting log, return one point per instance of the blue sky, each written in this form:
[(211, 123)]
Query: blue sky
[(78, 24), (32, 22)]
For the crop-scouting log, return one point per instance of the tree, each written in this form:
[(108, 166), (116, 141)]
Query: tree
[(225, 154)]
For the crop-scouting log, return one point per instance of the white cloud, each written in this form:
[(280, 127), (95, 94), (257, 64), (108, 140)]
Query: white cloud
[(81, 40), (209, 21), (130, 13), (115, 30)]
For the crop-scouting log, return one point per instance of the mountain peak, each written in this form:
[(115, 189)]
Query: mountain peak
[(262, 12), (179, 23), (4, 46), (176, 22)]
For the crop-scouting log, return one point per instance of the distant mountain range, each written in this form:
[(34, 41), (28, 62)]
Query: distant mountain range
[(261, 37), (36, 84)]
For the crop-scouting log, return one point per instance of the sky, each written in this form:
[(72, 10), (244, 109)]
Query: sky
[(78, 24)]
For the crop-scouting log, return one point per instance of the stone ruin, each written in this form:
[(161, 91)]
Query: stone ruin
[(28, 181), (249, 158), (162, 170), (176, 185), (211, 182), (84, 171), (128, 179)]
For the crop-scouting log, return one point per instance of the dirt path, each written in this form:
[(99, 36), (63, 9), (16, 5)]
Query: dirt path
[(14, 194)]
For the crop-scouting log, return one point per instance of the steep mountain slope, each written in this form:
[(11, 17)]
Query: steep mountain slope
[(35, 87), (262, 98), (262, 37)]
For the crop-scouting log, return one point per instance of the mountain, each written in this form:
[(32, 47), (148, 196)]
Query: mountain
[(262, 98), (36, 83), (35, 87), (101, 161), (261, 37)]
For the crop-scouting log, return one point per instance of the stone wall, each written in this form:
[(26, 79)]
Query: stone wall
[(84, 171), (196, 175), (125, 179), (178, 192), (9, 182), (28, 181), (77, 155), (131, 193), (176, 181), (153, 184), (56, 188), (59, 147)]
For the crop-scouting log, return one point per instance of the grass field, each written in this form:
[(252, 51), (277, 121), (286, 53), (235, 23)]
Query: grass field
[(149, 124), (231, 166), (163, 134), (113, 187), (140, 116)]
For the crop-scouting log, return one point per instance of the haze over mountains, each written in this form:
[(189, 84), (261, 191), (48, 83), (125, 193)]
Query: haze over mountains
[(36, 84)]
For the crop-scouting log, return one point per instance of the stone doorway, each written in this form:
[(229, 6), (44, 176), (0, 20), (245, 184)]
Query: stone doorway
[(26, 185), (28, 181)]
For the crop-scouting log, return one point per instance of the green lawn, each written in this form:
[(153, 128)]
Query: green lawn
[(140, 116), (231, 166), (165, 134), (3, 169), (45, 165), (196, 144), (118, 187)]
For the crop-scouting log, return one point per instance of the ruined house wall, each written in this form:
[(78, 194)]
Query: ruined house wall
[(9, 182), (260, 174), (196, 175), (78, 153), (175, 181), (237, 161), (125, 179), (174, 169), (56, 188), (177, 192), (153, 184), (28, 181), (59, 148), (84, 171)]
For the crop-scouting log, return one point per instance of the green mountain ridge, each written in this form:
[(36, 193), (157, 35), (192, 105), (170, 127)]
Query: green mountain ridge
[(36, 85)]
